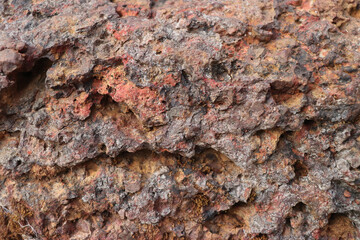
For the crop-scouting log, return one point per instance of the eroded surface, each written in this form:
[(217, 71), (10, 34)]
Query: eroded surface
[(179, 119)]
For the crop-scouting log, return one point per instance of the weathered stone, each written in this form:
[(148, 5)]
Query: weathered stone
[(164, 119)]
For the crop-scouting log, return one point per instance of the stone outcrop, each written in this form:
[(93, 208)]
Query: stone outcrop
[(190, 119)]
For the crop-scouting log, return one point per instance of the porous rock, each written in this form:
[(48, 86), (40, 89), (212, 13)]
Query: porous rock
[(190, 119)]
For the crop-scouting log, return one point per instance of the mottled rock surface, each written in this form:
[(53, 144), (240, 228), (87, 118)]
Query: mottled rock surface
[(186, 119)]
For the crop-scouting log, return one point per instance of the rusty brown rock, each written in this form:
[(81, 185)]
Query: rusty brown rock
[(164, 119)]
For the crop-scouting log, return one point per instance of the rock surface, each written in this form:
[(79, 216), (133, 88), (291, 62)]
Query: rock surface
[(189, 119)]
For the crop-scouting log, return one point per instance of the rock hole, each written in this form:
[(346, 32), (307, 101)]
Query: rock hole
[(252, 196), (38, 73), (102, 148), (300, 207), (310, 125), (218, 70), (300, 169), (208, 162), (86, 85), (18, 162), (287, 221), (14, 163), (184, 77), (309, 122), (287, 227), (285, 93), (105, 214)]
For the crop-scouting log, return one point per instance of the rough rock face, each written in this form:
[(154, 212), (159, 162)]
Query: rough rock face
[(186, 119)]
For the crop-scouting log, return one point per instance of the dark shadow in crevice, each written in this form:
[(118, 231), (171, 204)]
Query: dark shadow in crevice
[(218, 70), (281, 91), (309, 122), (300, 169), (37, 74), (20, 96), (299, 207)]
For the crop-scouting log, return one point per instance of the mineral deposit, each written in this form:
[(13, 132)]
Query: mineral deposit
[(179, 119)]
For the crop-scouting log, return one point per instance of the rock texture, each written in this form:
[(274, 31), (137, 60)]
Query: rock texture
[(186, 119)]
